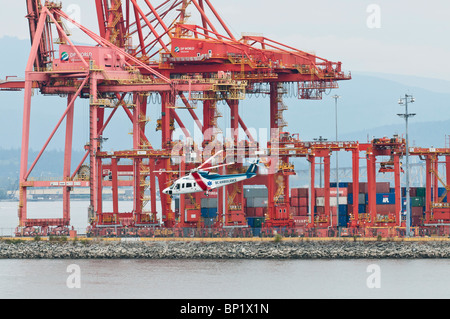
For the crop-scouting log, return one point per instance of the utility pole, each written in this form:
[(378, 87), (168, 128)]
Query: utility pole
[(336, 97), (404, 101)]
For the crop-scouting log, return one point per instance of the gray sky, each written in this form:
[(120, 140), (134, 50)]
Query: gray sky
[(410, 38)]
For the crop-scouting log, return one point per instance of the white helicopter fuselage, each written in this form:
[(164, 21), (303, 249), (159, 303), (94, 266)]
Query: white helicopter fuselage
[(202, 181)]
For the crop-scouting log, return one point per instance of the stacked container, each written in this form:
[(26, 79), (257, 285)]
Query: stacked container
[(417, 196), (299, 202), (385, 200), (300, 206), (334, 205), (256, 200), (209, 207)]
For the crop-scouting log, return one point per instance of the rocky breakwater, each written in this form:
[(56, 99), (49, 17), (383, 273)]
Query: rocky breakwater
[(223, 250)]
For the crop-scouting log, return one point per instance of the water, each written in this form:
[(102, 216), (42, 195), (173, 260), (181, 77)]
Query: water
[(218, 279), (243, 279)]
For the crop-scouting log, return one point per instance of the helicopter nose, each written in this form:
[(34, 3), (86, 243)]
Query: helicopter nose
[(167, 191)]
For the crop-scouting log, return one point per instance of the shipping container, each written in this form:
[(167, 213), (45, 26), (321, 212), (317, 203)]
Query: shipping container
[(209, 212), (256, 192), (295, 201), (386, 209), (362, 198), (255, 222), (294, 211), (381, 187), (361, 209), (320, 192), (343, 220), (303, 192), (319, 209), (302, 202), (415, 202), (385, 199), (257, 202), (343, 209), (418, 201), (303, 211), (320, 201), (417, 211), (250, 211), (420, 192), (209, 202), (259, 211), (403, 191), (341, 184), (416, 221)]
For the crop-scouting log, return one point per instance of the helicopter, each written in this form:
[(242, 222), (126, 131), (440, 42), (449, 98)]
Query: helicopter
[(201, 180)]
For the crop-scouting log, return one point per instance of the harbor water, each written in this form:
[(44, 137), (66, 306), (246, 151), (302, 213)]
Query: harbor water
[(216, 279), (225, 279)]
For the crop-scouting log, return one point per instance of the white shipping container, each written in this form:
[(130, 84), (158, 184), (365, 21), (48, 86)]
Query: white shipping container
[(320, 201)]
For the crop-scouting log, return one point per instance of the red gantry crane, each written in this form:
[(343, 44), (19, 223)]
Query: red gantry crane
[(150, 47)]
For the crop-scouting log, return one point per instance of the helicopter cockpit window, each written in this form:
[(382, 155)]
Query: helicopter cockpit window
[(177, 186)]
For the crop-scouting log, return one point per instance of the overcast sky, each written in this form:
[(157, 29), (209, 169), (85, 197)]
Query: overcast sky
[(407, 37)]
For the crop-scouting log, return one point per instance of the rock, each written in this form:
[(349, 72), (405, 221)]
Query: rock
[(224, 250)]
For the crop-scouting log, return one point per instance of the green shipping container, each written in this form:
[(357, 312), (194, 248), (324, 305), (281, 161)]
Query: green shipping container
[(417, 201), (420, 191), (255, 222)]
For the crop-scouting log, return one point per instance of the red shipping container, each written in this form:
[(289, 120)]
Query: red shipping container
[(416, 221), (320, 192), (302, 202), (361, 188), (320, 209), (303, 211), (294, 192), (294, 211), (259, 212), (294, 201), (303, 192), (416, 211), (250, 211), (343, 192), (381, 187), (385, 209)]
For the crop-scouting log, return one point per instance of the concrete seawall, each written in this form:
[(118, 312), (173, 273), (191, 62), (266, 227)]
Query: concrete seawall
[(285, 249)]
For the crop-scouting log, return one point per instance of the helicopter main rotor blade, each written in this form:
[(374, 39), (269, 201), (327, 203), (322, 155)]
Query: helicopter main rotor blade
[(210, 159), (217, 166), (170, 171)]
